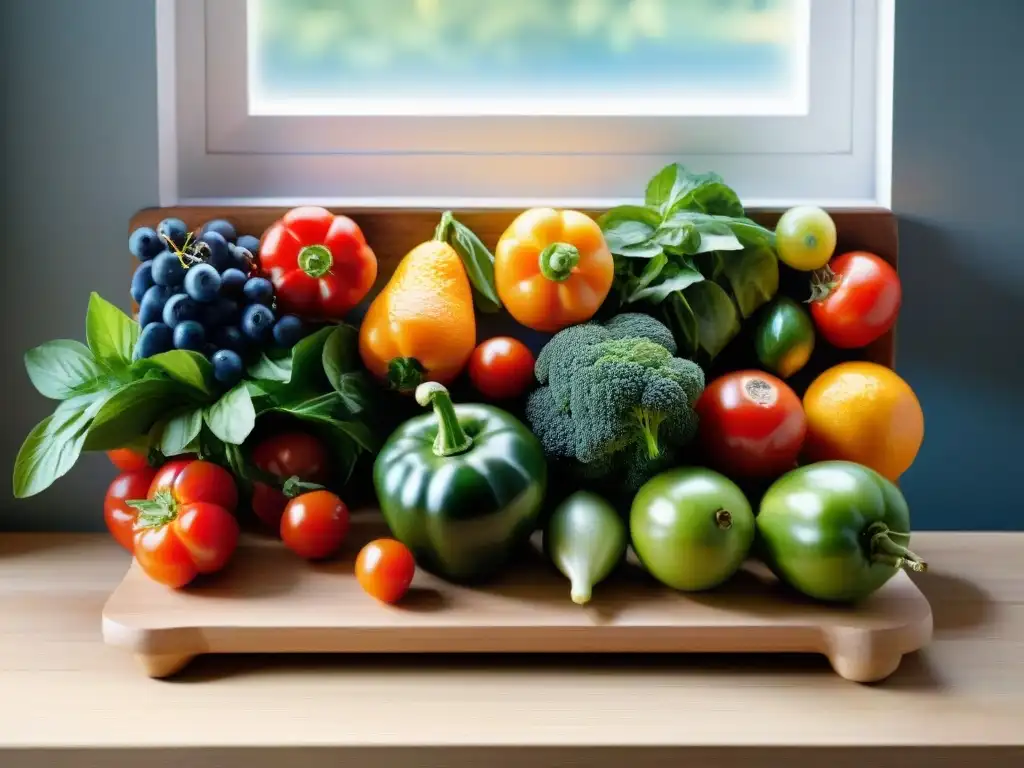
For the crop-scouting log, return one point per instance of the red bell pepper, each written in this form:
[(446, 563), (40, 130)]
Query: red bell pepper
[(319, 263)]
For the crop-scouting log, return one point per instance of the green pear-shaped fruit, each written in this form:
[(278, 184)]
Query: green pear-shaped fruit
[(586, 540)]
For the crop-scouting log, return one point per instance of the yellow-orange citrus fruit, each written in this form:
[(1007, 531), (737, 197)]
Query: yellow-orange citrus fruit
[(863, 412)]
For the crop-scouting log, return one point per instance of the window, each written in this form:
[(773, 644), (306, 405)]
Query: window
[(409, 101)]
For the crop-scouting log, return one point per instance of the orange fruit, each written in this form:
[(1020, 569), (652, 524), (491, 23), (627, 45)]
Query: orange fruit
[(865, 413)]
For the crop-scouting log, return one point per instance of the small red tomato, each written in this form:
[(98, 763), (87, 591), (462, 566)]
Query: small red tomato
[(501, 368), (861, 300), (314, 525), (186, 526), (127, 460), (752, 424), (289, 454), (384, 569), (119, 517)]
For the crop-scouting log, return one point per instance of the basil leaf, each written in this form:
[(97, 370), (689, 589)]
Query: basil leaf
[(718, 322), (131, 411), (58, 368), (232, 418), (54, 444), (180, 431), (186, 367), (477, 260), (666, 187), (709, 195), (648, 249), (715, 231), (628, 225), (272, 368), (652, 271), (341, 353), (678, 316), (753, 275), (680, 238), (111, 334), (685, 277)]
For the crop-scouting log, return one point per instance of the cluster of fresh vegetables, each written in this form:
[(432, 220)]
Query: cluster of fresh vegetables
[(619, 432)]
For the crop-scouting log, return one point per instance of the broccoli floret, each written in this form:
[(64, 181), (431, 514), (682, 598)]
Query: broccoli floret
[(614, 398)]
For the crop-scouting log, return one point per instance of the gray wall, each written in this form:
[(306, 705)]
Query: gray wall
[(80, 156)]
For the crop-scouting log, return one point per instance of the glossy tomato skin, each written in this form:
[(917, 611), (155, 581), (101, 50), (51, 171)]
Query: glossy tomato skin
[(501, 368), (752, 425), (119, 517), (863, 303), (127, 460), (315, 524), (285, 455), (385, 569), (189, 480)]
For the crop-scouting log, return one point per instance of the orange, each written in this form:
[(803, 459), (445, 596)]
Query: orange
[(866, 413)]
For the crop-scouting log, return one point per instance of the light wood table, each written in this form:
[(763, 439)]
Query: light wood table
[(67, 699)]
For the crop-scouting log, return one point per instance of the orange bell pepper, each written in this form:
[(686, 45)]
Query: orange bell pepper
[(552, 268)]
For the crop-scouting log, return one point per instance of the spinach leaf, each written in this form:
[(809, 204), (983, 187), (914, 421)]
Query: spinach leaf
[(57, 369), (232, 418), (478, 261), (189, 368), (718, 322), (628, 225), (54, 444), (180, 431), (753, 276), (683, 278), (131, 411), (678, 316), (111, 334)]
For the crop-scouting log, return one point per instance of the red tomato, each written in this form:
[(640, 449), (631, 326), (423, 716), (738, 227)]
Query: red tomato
[(119, 517), (384, 569), (752, 424), (501, 368), (187, 526), (314, 525), (289, 454), (863, 303), (127, 460)]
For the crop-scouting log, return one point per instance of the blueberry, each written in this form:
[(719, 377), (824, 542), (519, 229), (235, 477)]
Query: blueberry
[(174, 230), (154, 339), (189, 335), (217, 251), (151, 308), (142, 280), (257, 322), (232, 282), (259, 290), (249, 243), (227, 367), (287, 331), (240, 260), (168, 269), (220, 312), (223, 228), (144, 243), (178, 309), (229, 337), (202, 283)]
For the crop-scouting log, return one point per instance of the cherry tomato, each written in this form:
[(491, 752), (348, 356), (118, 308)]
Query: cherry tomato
[(752, 424), (861, 301), (289, 454), (127, 460), (119, 517), (314, 525), (384, 569), (805, 237), (501, 368), (186, 526)]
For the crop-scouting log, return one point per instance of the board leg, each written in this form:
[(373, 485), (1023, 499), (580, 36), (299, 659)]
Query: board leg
[(861, 656), (163, 664)]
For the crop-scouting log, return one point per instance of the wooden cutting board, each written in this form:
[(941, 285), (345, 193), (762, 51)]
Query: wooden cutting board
[(270, 601)]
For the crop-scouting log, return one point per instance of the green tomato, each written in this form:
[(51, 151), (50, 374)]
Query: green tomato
[(835, 531), (805, 238), (784, 337), (691, 527)]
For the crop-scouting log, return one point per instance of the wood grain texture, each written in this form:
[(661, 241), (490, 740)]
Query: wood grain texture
[(394, 232), (65, 692), (270, 601)]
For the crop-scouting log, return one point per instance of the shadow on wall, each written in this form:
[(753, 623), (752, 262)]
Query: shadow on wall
[(959, 346)]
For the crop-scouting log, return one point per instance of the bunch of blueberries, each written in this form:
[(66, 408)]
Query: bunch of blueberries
[(202, 293)]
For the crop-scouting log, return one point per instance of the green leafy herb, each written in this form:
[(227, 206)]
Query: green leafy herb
[(59, 369), (476, 258), (111, 334), (186, 367), (181, 431), (131, 411), (233, 417)]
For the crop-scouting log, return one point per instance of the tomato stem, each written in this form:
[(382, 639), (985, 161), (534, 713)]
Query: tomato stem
[(296, 486), (451, 438), (887, 552), (823, 282), (153, 513), (558, 260)]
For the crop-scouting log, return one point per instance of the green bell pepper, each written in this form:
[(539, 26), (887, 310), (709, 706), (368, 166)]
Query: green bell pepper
[(835, 531), (784, 337), (462, 488)]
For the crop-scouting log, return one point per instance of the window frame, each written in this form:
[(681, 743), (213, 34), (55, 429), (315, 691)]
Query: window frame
[(213, 150)]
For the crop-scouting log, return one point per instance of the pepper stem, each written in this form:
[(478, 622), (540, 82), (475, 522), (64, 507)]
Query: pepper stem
[(316, 260), (441, 233), (885, 551), (451, 437), (558, 260), (405, 374)]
